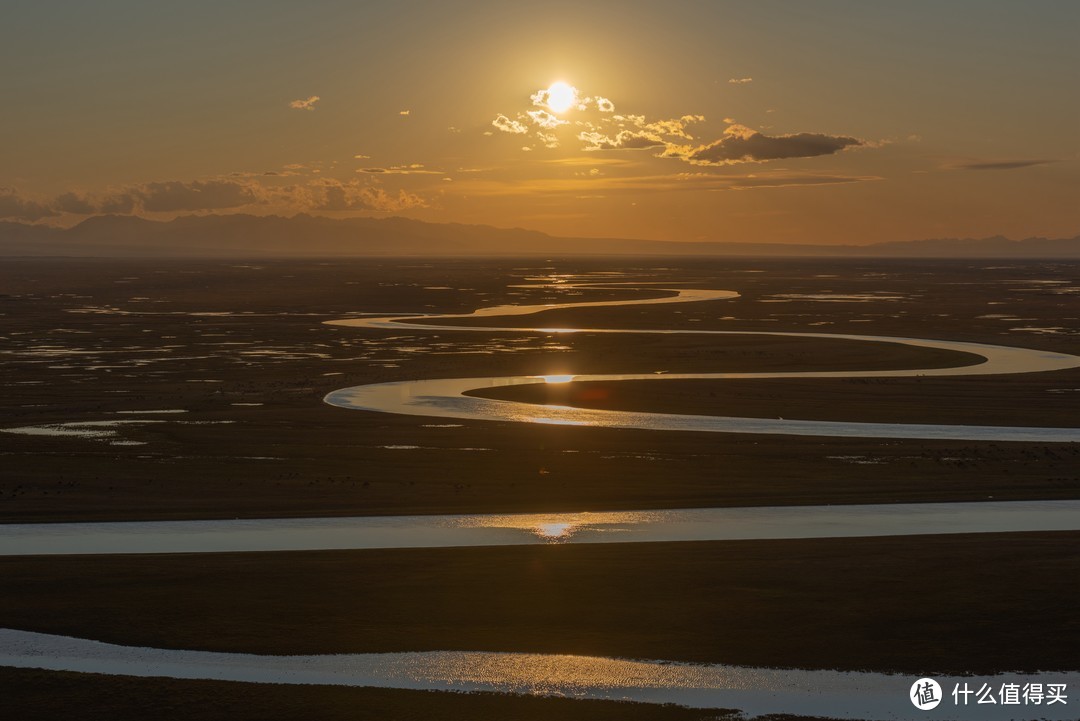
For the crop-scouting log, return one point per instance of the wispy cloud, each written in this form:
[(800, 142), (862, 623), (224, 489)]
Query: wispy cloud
[(740, 81), (308, 104), (413, 169), (589, 160), (172, 196), (1000, 164), (598, 182), (624, 139)]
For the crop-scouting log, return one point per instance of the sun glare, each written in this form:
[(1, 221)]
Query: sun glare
[(558, 378), (561, 97)]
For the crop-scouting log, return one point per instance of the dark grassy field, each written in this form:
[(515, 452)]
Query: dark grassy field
[(241, 348), (31, 695), (935, 604), (90, 341)]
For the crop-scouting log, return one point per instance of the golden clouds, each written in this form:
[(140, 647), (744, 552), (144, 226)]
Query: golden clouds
[(307, 104), (543, 118), (598, 128), (507, 125), (546, 120), (625, 139)]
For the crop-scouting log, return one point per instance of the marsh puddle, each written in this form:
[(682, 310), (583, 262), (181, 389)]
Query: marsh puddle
[(93, 430), (835, 297)]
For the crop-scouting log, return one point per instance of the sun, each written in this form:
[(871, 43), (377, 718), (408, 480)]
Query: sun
[(561, 97)]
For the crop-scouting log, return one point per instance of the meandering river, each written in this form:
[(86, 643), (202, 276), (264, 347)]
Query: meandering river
[(447, 397)]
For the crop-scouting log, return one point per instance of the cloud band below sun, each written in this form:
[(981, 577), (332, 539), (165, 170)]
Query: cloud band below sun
[(598, 128)]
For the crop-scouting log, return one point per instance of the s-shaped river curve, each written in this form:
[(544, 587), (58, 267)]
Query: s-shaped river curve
[(446, 397)]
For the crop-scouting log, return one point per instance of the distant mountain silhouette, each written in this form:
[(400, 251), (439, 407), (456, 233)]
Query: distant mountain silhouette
[(308, 235)]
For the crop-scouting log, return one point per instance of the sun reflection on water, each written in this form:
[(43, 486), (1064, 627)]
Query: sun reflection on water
[(557, 378), (564, 527), (555, 531), (558, 421)]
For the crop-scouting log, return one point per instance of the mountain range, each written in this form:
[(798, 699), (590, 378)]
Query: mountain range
[(308, 235)]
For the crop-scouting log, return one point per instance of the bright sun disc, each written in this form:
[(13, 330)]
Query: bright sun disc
[(561, 97)]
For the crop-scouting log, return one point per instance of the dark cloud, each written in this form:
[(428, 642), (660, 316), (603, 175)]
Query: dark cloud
[(176, 195), (122, 203), (14, 204), (1001, 165), (743, 145), (75, 203), (164, 197), (337, 195)]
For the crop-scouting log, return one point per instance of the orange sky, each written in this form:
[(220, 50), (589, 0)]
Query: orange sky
[(824, 122)]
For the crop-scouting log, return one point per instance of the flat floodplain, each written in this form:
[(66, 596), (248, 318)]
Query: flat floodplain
[(153, 390)]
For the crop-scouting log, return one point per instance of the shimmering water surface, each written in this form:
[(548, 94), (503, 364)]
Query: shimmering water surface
[(757, 691)]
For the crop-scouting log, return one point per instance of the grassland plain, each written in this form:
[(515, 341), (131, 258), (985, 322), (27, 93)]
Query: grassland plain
[(101, 341)]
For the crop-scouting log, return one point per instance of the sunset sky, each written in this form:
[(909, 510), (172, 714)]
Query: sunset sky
[(805, 122)]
